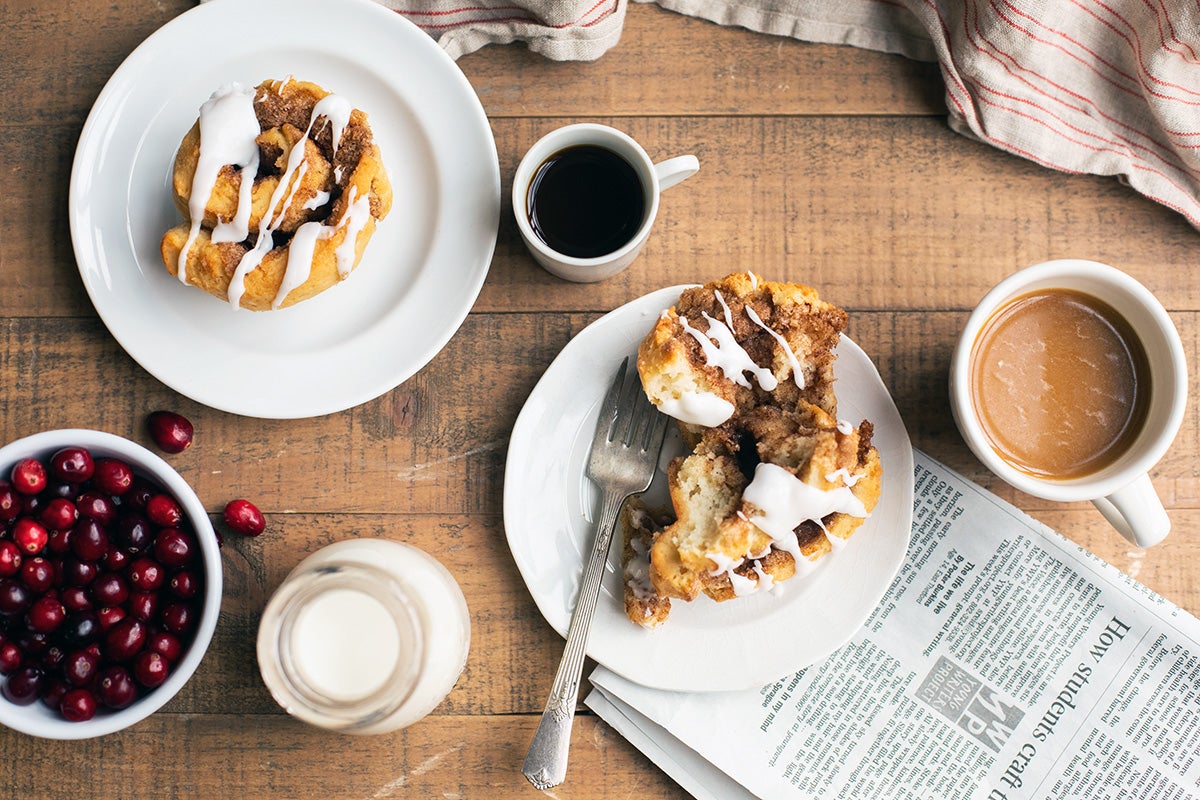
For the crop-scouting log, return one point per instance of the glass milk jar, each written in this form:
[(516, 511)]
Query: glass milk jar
[(364, 636)]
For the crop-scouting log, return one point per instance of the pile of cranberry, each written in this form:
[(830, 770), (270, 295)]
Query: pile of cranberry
[(101, 583)]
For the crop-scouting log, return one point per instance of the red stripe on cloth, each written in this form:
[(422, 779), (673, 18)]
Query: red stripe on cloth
[(1135, 46), (448, 11), (1163, 151), (1190, 56), (951, 74)]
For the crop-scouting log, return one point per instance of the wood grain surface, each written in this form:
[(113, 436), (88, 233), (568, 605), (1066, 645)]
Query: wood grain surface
[(822, 164)]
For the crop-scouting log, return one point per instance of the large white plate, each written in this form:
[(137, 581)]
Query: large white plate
[(420, 273), (704, 646)]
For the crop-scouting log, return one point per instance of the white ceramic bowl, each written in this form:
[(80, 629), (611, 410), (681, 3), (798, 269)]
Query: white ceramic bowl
[(38, 720)]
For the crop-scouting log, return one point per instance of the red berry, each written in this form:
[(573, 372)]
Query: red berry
[(59, 514), (72, 465), (150, 668), (30, 536), (60, 542), (78, 573), (146, 575), (178, 618), (97, 506), (163, 511), (172, 547), (115, 560), (244, 518), (134, 532), (15, 597), (75, 598), (109, 616), (53, 689), (125, 639), (38, 574), (113, 476), (143, 605), (165, 644), (170, 431), (10, 501), (46, 614), (78, 705), (11, 657), (116, 688), (22, 686), (79, 667), (184, 584), (28, 476), (10, 558), (89, 541), (109, 590)]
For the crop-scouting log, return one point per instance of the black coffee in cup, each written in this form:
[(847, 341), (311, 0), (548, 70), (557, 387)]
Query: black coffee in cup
[(585, 201)]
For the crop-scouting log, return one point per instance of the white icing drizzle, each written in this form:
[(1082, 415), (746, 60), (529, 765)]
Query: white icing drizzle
[(316, 201), (753, 279), (845, 427), (355, 218), (785, 502), (228, 129), (765, 581), (698, 408), (721, 350), (797, 375), (845, 474), (336, 112)]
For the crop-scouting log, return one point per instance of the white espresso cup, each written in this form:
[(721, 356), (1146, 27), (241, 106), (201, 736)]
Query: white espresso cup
[(652, 177), (1121, 488)]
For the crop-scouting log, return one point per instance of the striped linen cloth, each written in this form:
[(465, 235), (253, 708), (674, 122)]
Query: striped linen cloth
[(1104, 87)]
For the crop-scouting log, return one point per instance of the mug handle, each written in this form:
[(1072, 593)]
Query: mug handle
[(1136, 512), (675, 170)]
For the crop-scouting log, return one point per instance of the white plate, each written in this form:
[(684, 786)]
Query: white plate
[(421, 271), (703, 646)]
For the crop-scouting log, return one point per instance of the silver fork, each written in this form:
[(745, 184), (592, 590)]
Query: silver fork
[(625, 448)]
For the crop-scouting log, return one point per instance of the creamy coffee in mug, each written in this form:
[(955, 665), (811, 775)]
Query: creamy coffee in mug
[(1060, 383)]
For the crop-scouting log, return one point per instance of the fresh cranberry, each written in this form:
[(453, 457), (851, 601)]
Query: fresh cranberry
[(112, 476), (97, 506), (75, 598), (150, 668), (72, 464), (163, 511), (109, 616), (146, 574), (46, 614), (143, 605), (31, 505), (79, 667), (30, 536), (10, 501), (57, 488), (15, 597), (53, 689), (125, 639), (78, 705), (115, 559), (140, 493), (184, 584), (134, 532), (23, 685), (177, 618), (38, 574), (170, 431), (59, 514), (172, 547), (116, 688), (33, 643), (59, 542), (28, 476), (79, 630), (10, 558), (244, 517), (11, 657), (53, 657), (78, 573), (166, 645), (89, 541), (109, 590)]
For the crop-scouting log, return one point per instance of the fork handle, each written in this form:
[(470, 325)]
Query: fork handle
[(546, 762)]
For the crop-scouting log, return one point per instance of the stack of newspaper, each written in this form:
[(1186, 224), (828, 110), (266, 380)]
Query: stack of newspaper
[(1004, 662)]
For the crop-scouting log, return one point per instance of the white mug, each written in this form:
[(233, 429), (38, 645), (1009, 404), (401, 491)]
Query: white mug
[(1122, 490), (653, 177)]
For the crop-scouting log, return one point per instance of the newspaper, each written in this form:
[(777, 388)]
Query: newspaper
[(1004, 662)]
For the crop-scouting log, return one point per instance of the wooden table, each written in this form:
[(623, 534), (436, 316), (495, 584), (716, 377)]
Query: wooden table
[(826, 165)]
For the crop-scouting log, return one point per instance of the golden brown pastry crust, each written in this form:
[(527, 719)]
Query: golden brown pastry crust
[(355, 169), (712, 542)]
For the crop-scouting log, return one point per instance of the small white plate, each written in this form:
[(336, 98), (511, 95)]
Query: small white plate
[(703, 646), (421, 271)]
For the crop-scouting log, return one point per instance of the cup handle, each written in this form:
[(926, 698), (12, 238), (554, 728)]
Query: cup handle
[(675, 170), (1136, 512)]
